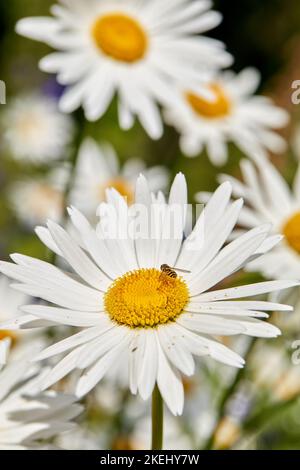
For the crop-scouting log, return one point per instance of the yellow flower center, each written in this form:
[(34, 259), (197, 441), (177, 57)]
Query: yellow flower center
[(146, 298), (8, 334), (122, 186), (291, 231), (217, 108), (121, 37)]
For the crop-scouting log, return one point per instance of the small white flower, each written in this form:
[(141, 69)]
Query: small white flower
[(129, 309), (36, 200), (234, 115), (98, 169), (29, 418), (134, 48), (34, 130)]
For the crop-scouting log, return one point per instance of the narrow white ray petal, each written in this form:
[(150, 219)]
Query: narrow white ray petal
[(94, 374), (200, 346), (76, 258), (97, 348), (249, 290), (46, 279), (212, 242), (241, 305), (229, 259), (136, 352), (149, 365), (259, 328), (4, 349), (95, 245), (24, 322), (46, 238), (169, 384), (145, 246), (10, 376), (212, 325), (70, 343), (63, 368)]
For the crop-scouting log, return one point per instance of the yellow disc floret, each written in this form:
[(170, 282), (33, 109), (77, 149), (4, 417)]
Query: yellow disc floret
[(121, 37), (146, 298), (217, 108), (291, 231)]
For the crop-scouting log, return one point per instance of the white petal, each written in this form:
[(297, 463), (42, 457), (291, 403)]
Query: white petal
[(95, 373), (148, 371), (169, 384), (179, 356)]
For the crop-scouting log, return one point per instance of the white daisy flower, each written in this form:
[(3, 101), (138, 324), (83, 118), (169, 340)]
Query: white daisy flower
[(34, 130), (29, 418), (235, 115), (98, 169), (42, 198), (134, 48), (129, 306)]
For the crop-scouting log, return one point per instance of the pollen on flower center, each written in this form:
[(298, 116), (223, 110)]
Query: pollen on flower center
[(291, 231), (120, 37), (146, 298), (217, 108)]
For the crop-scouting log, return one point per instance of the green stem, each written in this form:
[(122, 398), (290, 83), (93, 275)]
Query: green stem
[(157, 420)]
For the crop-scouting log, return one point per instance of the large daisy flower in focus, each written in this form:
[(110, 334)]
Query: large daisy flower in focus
[(234, 115), (35, 130), (42, 198), (129, 306), (136, 49), (29, 418), (98, 169)]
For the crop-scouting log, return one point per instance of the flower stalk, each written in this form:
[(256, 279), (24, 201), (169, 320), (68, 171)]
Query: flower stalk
[(157, 420)]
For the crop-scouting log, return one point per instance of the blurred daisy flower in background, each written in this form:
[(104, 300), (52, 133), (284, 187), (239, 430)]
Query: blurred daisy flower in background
[(29, 419), (269, 200), (135, 49), (4, 350), (42, 197), (128, 306), (98, 169), (10, 301), (233, 115), (19, 343), (34, 130)]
